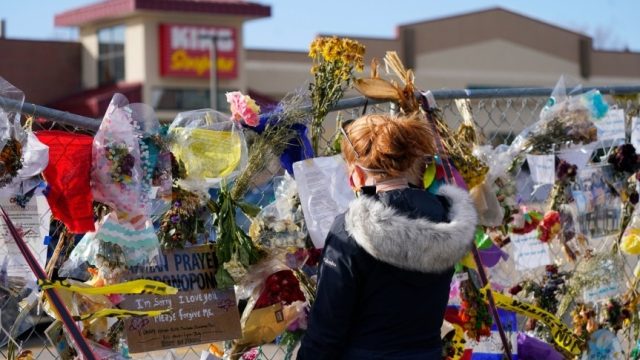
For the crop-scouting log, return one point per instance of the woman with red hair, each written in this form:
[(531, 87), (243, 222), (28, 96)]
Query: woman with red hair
[(388, 261)]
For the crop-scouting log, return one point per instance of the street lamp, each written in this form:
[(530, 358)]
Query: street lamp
[(213, 70)]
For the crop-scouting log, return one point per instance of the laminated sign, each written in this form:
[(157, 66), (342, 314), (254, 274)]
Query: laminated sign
[(200, 313)]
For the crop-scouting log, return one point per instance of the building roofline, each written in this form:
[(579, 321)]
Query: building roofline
[(54, 41), (392, 38), (109, 9), (277, 51), (493, 9)]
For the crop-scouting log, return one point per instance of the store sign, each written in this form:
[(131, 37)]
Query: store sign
[(185, 50), (199, 313)]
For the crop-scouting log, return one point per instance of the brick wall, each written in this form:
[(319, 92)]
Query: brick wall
[(44, 70)]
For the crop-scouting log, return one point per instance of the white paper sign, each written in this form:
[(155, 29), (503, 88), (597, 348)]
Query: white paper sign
[(635, 133), (33, 221), (543, 168), (611, 127), (577, 155), (602, 292), (529, 252), (324, 191)]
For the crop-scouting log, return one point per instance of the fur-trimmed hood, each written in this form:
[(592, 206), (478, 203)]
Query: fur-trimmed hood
[(414, 244)]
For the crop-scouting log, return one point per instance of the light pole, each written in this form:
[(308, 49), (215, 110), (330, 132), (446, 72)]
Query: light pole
[(213, 69)]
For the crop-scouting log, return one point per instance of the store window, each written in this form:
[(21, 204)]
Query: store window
[(186, 99), (110, 55)]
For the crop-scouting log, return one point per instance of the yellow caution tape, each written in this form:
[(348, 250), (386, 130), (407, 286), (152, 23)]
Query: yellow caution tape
[(562, 335), (119, 313), (141, 286)]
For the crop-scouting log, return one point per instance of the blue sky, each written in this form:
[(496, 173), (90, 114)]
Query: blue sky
[(294, 23)]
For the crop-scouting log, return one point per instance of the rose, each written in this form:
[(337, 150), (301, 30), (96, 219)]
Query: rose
[(243, 108)]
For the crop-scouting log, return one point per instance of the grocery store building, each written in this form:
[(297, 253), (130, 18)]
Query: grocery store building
[(157, 52)]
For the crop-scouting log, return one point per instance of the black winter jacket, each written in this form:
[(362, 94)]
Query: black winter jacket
[(384, 279)]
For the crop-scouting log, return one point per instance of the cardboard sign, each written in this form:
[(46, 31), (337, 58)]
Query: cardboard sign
[(185, 51), (200, 312)]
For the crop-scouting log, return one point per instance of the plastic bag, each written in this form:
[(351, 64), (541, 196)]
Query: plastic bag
[(281, 223), (35, 157), (210, 146), (275, 302), (12, 136), (10, 126), (568, 118)]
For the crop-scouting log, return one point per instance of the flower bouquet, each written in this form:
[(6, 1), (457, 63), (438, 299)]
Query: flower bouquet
[(210, 145), (276, 302), (12, 136), (334, 60), (281, 225), (566, 119)]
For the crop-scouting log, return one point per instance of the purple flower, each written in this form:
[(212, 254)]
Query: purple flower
[(175, 218), (177, 203)]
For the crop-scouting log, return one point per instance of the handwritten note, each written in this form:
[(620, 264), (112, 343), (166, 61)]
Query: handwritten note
[(200, 313), (602, 292), (635, 133), (33, 220), (324, 191), (529, 252), (542, 167), (577, 155), (611, 127)]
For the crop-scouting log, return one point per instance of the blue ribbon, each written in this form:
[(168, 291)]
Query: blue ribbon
[(299, 147)]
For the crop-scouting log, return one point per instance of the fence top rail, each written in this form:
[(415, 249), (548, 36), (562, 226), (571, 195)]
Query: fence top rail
[(88, 123)]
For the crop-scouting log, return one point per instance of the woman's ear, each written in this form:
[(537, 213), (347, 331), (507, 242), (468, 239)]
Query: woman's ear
[(358, 177)]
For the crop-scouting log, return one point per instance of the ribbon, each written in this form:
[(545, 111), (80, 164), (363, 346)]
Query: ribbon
[(119, 313), (141, 286), (562, 335)]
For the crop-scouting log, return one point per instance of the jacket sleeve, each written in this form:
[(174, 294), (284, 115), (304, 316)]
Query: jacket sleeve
[(332, 313)]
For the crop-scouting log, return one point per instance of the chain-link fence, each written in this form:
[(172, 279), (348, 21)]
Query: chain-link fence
[(499, 115)]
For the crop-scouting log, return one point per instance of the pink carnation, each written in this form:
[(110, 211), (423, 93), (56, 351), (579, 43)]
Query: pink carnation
[(243, 108)]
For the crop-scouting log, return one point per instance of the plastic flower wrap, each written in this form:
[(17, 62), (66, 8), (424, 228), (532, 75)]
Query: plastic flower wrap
[(281, 223), (12, 136), (122, 178), (603, 345), (568, 118), (276, 300), (210, 145), (119, 179)]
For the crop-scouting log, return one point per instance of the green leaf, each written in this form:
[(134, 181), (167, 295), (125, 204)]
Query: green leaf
[(223, 278), (249, 209)]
